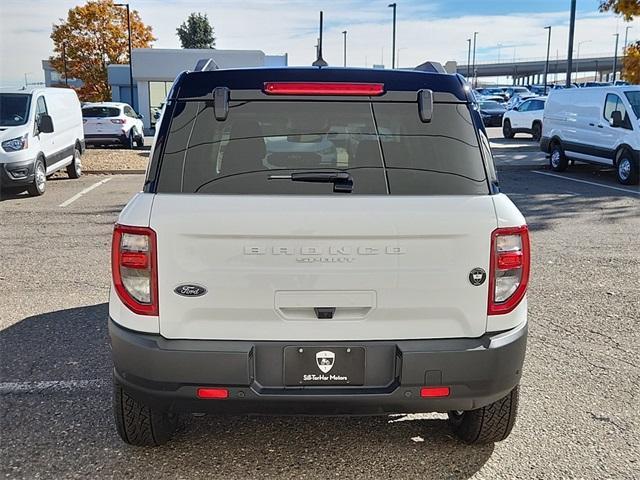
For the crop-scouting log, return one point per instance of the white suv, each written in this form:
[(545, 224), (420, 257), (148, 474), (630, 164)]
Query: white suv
[(111, 123), (393, 281), (525, 118)]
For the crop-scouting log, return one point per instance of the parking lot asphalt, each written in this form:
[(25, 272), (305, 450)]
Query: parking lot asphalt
[(579, 414)]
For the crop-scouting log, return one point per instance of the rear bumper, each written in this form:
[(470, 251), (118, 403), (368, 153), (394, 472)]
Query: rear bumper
[(166, 374), (105, 138)]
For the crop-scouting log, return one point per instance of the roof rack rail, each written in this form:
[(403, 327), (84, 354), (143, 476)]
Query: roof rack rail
[(206, 65), (429, 66)]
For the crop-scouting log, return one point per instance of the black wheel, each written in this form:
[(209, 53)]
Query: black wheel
[(536, 131), (137, 423), (74, 169), (558, 160), (489, 424), (140, 141), (507, 131), (39, 184), (627, 168), (131, 139)]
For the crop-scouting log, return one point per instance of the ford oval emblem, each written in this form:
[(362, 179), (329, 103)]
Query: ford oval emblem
[(190, 290)]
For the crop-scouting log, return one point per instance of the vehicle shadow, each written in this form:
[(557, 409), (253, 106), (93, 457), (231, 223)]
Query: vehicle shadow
[(45, 425), (545, 201)]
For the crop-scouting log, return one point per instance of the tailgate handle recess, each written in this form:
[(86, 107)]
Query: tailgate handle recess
[(325, 313)]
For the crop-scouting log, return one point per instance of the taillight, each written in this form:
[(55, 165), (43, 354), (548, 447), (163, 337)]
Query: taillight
[(119, 121), (134, 268), (323, 88), (509, 269)]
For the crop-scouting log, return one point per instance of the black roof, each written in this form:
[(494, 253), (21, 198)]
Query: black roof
[(201, 84)]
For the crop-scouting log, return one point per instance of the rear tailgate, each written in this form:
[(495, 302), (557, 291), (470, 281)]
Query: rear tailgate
[(392, 267)]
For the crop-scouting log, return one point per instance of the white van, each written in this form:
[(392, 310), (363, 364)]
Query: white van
[(40, 133), (598, 125)]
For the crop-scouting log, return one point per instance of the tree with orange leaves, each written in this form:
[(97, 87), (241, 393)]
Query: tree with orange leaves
[(628, 9), (94, 36)]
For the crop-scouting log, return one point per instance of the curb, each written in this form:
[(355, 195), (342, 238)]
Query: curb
[(114, 172)]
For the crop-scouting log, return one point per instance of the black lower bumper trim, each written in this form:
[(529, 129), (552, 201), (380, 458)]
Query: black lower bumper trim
[(166, 374), (16, 174)]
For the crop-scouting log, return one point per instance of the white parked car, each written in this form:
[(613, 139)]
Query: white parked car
[(110, 123), (391, 282), (599, 125), (40, 133), (525, 118)]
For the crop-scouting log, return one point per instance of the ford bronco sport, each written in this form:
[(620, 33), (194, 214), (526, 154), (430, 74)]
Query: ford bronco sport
[(319, 241)]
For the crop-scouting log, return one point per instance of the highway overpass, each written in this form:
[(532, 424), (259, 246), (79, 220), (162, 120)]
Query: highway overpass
[(532, 71)]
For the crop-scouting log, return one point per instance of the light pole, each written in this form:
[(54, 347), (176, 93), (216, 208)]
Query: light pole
[(133, 102), (469, 59), (572, 32), (393, 45), (578, 57), (64, 62), (626, 36), (626, 39), (475, 80), (344, 38), (546, 65), (615, 57)]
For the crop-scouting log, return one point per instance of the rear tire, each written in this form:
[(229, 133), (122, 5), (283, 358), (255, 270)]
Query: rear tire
[(558, 161), (131, 139), (507, 131), (140, 141), (139, 424), (627, 168), (74, 169), (39, 185), (489, 424), (536, 131)]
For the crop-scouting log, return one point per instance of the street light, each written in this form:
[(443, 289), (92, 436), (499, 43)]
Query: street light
[(64, 62), (475, 80), (615, 57), (344, 35), (469, 59), (546, 66), (626, 36), (393, 46), (572, 31), (133, 103), (578, 57)]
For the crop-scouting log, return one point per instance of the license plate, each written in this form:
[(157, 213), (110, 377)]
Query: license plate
[(324, 366)]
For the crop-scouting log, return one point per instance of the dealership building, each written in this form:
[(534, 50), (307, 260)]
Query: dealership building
[(154, 70)]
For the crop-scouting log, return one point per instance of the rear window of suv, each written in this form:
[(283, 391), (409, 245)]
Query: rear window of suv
[(384, 146), (100, 112)]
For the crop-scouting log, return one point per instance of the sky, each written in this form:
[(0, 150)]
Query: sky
[(426, 29)]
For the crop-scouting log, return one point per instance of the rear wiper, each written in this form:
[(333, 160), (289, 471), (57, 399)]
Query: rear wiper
[(342, 181)]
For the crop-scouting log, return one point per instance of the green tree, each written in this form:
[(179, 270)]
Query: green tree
[(196, 32)]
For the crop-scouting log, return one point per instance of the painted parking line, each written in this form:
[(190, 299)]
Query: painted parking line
[(50, 386), (635, 192), (68, 202)]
